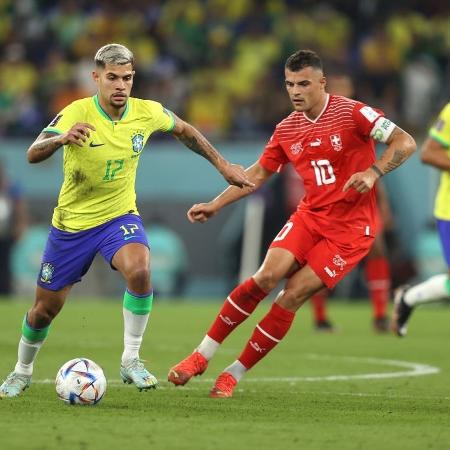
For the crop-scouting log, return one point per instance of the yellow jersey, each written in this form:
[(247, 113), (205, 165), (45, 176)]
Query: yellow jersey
[(99, 176), (440, 132)]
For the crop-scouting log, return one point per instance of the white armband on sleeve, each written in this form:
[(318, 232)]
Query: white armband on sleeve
[(382, 129)]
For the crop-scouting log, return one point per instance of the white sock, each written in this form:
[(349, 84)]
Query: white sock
[(237, 369), (208, 347), (26, 354), (134, 328), (435, 288)]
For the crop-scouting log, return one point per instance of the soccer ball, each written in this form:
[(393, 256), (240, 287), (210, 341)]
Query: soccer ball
[(80, 381)]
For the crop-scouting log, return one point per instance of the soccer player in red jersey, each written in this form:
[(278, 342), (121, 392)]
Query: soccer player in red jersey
[(376, 264), (330, 142)]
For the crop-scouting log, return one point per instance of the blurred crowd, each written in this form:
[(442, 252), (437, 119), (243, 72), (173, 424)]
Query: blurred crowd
[(219, 63)]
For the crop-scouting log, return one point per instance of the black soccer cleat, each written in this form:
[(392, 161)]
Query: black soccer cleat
[(381, 324), (325, 326), (402, 312)]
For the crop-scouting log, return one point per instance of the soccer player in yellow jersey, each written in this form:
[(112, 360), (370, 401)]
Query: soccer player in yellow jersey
[(435, 152), (103, 137)]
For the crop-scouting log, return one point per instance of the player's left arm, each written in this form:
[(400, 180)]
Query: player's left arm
[(194, 140), (400, 146)]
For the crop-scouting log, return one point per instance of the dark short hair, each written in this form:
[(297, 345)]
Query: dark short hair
[(303, 58)]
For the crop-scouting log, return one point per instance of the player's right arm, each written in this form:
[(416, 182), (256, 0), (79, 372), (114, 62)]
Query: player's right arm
[(201, 212), (47, 143)]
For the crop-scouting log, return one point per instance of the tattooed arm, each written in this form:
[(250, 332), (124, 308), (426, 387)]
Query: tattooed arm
[(47, 143), (400, 146), (195, 141)]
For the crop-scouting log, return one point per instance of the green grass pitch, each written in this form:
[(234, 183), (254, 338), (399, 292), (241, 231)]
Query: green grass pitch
[(348, 390)]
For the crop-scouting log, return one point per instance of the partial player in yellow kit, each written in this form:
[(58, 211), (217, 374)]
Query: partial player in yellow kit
[(435, 152), (103, 137)]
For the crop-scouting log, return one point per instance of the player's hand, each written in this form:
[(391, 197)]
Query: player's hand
[(78, 134), (236, 175), (201, 212), (361, 181)]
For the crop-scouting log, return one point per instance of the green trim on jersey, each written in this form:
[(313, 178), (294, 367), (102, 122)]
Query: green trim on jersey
[(438, 138), (137, 305), (51, 130), (33, 334), (105, 114), (173, 120)]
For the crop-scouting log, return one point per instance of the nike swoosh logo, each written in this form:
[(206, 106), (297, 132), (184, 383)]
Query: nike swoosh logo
[(95, 145), (129, 237)]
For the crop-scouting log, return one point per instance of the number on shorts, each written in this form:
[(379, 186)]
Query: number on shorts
[(132, 227), (284, 231), (323, 171)]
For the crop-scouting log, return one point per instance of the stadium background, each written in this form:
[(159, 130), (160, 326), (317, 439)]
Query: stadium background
[(219, 65)]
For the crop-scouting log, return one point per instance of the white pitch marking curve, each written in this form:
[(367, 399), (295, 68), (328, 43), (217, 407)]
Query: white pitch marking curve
[(413, 370)]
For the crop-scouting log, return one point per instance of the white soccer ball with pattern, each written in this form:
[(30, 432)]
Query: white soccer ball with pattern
[(80, 381)]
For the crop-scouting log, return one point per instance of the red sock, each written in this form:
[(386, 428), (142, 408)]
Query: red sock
[(237, 307), (379, 283), (268, 333), (319, 306)]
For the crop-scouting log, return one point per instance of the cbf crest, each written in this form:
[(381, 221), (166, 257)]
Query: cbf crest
[(47, 272), (137, 141)]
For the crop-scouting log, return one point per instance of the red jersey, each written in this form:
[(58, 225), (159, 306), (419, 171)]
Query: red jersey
[(326, 152)]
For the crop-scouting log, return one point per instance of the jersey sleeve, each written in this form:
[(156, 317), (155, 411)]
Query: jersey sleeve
[(440, 131), (161, 118), (365, 118), (273, 157), (65, 119)]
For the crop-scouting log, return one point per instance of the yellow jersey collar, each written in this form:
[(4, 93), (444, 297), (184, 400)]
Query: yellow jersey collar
[(104, 114)]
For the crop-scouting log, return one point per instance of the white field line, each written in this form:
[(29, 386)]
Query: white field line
[(414, 370)]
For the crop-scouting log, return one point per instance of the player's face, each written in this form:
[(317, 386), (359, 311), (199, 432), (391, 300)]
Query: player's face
[(306, 89), (114, 83)]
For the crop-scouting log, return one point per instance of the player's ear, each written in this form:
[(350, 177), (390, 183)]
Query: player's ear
[(95, 75), (323, 81)]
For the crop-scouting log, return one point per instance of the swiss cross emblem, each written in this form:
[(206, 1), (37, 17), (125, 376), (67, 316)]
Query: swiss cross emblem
[(336, 142), (296, 148), (339, 261)]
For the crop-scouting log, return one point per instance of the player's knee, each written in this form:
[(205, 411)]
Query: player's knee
[(293, 298), (139, 278), (266, 279), (41, 316)]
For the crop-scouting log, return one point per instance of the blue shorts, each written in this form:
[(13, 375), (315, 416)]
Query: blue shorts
[(443, 227), (68, 256)]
